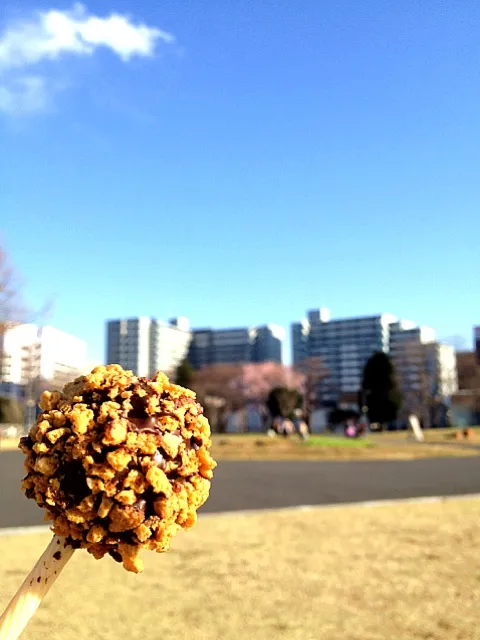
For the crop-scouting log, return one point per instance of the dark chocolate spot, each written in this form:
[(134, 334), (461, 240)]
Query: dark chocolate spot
[(57, 555), (38, 579), (58, 541), (139, 407), (196, 443), (74, 483), (26, 441), (99, 457), (149, 498), (75, 544), (115, 555)]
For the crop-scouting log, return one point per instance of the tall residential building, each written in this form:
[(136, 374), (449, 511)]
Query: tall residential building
[(129, 344), (299, 335), (31, 353), (408, 352), (146, 345), (445, 367), (236, 345), (343, 347), (268, 343), (476, 343), (423, 365)]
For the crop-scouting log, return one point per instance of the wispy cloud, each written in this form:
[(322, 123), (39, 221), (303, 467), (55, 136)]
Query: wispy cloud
[(52, 34), (24, 95)]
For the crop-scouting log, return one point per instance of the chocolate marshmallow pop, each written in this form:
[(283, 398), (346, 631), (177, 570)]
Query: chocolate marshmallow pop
[(120, 464)]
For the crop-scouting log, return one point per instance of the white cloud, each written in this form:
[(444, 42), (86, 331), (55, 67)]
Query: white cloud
[(54, 33)]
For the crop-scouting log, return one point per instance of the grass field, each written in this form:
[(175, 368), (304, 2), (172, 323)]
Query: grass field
[(390, 445), (403, 572), (324, 447)]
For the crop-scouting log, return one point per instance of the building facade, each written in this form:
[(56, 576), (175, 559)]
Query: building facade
[(343, 346), (146, 345), (425, 368), (30, 354), (268, 343), (236, 345)]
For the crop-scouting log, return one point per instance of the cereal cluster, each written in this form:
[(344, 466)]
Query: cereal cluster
[(120, 463)]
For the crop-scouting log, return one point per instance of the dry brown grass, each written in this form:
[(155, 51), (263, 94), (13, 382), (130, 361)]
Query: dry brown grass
[(403, 572), (385, 446), (260, 447), (8, 444)]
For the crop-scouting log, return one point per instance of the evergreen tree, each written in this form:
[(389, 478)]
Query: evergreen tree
[(283, 402), (184, 374), (380, 392)]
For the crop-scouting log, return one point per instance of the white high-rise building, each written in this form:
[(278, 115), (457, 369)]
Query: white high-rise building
[(145, 345), (31, 353)]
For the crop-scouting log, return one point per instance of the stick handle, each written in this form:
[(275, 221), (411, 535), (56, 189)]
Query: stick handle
[(36, 585)]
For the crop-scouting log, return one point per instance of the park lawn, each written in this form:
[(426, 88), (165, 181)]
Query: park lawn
[(405, 572), (327, 447), (338, 441), (322, 447)]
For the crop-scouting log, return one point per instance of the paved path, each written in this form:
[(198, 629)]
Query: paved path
[(259, 485)]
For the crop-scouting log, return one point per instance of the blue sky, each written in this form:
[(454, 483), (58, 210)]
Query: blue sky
[(267, 158)]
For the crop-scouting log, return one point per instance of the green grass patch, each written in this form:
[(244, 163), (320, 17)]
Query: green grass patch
[(332, 441)]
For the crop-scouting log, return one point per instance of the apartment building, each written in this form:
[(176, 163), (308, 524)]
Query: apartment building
[(342, 345), (146, 345), (236, 345), (29, 352)]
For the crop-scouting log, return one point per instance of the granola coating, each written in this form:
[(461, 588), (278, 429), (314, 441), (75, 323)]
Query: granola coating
[(120, 463)]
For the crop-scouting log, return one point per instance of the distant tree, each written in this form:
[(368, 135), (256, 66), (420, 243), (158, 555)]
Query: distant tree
[(379, 390), (184, 374), (468, 372), (11, 411), (216, 388), (257, 380), (314, 372), (469, 381), (283, 402)]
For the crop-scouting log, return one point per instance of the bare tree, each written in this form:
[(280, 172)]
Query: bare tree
[(425, 380), (216, 389), (9, 302), (13, 312), (469, 380), (315, 373)]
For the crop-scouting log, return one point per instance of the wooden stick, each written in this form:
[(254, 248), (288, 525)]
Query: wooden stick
[(36, 585)]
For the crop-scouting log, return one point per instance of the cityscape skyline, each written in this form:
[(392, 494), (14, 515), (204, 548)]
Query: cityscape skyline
[(211, 176)]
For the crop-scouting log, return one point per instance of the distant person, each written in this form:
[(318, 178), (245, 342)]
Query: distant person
[(351, 429), (288, 428), (277, 425), (302, 429)]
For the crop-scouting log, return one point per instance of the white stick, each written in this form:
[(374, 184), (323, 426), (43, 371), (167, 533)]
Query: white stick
[(36, 585)]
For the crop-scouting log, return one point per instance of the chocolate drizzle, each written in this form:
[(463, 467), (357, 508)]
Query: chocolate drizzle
[(148, 424)]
